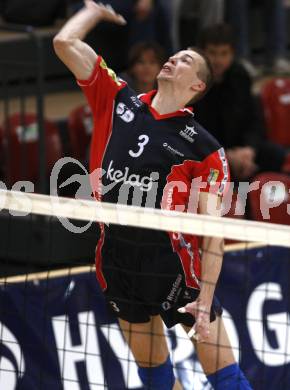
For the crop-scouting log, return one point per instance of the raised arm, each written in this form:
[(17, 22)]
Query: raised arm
[(78, 56)]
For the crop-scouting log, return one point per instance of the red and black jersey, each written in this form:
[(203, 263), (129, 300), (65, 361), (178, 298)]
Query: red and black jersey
[(148, 159)]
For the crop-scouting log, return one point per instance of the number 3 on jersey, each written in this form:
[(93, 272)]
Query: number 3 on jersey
[(144, 141)]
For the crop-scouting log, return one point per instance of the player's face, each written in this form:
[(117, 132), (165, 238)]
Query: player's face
[(146, 69), (182, 69), (221, 58)]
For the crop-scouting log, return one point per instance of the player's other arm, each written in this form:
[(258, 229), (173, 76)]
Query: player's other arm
[(78, 56), (212, 251), (211, 264)]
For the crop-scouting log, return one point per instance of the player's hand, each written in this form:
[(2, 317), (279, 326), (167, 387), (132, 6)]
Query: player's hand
[(143, 9), (200, 331), (242, 162), (106, 12)]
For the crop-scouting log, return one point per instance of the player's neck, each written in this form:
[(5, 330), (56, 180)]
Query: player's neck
[(168, 101)]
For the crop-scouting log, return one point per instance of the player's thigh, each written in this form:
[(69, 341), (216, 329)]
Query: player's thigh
[(147, 341), (216, 353)]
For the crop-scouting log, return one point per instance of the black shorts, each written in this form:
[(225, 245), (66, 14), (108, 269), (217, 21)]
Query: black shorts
[(147, 279)]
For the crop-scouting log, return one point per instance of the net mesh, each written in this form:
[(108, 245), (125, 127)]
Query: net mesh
[(56, 330)]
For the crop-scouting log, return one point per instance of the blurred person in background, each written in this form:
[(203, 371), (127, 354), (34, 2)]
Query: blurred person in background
[(31, 12), (193, 15), (275, 33), (145, 62), (149, 21), (230, 112)]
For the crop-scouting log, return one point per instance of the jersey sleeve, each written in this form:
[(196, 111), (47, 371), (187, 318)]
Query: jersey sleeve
[(101, 89), (214, 173)]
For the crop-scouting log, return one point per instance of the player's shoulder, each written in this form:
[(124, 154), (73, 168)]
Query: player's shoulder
[(127, 104), (204, 140), (129, 97)]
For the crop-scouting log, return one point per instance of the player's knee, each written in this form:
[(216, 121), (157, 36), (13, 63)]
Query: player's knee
[(158, 378), (229, 378)]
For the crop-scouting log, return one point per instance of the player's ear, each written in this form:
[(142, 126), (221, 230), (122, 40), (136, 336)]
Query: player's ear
[(199, 86)]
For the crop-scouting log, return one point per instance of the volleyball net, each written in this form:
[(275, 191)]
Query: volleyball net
[(57, 332)]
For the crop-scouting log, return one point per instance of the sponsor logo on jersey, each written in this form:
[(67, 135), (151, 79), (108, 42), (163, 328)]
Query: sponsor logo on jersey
[(172, 150), (111, 73), (188, 133), (119, 176), (124, 113), (137, 102), (222, 156), (169, 199), (213, 176)]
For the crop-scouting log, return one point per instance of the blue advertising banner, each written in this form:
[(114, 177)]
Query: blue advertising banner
[(56, 333)]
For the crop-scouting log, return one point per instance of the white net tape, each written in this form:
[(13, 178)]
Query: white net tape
[(19, 203)]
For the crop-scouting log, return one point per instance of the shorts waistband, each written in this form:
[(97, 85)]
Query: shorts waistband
[(137, 236)]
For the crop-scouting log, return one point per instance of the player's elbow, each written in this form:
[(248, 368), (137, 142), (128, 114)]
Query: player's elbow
[(61, 44)]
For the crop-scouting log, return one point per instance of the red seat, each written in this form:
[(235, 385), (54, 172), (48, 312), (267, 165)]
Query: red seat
[(269, 202), (20, 147), (275, 96), (80, 127)]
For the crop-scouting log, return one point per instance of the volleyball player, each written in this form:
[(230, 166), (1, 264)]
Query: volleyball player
[(151, 149)]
